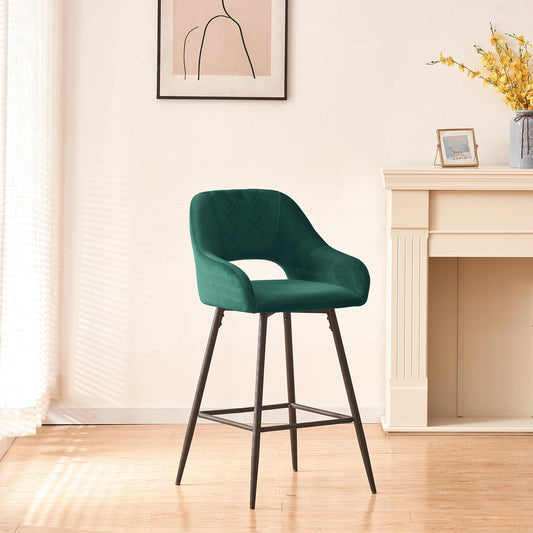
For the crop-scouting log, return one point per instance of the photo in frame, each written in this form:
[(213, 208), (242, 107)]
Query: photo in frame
[(457, 147), (226, 49)]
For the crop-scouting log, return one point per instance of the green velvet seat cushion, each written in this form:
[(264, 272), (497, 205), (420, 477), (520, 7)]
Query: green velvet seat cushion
[(291, 295)]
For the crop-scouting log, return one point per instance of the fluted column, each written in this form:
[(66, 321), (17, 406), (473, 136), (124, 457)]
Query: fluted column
[(407, 308)]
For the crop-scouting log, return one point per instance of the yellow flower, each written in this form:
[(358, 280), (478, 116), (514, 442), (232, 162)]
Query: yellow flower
[(488, 59), (506, 69), (496, 38)]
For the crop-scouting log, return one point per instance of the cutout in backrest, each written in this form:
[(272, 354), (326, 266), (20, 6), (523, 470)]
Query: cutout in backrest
[(260, 269)]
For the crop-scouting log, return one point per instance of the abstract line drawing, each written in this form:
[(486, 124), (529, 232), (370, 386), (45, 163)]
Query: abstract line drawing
[(233, 49), (229, 17), (184, 50)]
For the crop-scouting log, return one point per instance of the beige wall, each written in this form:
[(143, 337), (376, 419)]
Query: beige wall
[(360, 97)]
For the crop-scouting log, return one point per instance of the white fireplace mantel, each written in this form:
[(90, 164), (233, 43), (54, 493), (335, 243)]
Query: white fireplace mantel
[(443, 212), (449, 179)]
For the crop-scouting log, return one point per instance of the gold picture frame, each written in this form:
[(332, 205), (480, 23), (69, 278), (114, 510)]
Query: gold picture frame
[(457, 147)]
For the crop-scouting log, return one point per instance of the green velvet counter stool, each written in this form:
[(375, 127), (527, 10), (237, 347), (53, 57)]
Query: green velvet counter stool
[(230, 225)]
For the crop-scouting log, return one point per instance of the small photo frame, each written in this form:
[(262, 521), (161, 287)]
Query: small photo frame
[(457, 147)]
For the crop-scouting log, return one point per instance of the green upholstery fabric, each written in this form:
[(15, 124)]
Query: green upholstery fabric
[(229, 225), (297, 295)]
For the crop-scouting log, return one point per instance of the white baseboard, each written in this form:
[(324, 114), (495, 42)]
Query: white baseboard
[(64, 414), (5, 443)]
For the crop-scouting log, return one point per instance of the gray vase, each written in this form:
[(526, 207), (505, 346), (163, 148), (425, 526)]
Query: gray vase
[(521, 140)]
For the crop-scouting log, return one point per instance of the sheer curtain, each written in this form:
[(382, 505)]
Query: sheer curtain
[(29, 185)]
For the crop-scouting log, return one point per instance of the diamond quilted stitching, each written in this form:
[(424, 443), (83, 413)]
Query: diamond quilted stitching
[(248, 222)]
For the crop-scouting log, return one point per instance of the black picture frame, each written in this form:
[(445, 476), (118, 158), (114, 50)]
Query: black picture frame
[(181, 68)]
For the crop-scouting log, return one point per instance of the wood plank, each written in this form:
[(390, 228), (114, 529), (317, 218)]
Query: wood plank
[(70, 479)]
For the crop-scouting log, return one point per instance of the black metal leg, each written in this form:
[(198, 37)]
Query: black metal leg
[(332, 317), (217, 322), (258, 405), (290, 387)]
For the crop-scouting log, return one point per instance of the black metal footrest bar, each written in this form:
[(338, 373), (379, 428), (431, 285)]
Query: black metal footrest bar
[(337, 417)]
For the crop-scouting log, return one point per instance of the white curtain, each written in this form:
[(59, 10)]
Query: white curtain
[(29, 205)]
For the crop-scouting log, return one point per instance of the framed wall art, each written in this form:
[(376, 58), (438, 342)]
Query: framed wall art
[(231, 49), (457, 148)]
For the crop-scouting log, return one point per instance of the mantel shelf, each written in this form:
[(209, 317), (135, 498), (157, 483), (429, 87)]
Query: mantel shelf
[(437, 178)]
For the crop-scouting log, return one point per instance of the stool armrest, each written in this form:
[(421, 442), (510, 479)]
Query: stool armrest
[(328, 265), (223, 284)]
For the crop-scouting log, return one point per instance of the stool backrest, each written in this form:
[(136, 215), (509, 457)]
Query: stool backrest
[(251, 224)]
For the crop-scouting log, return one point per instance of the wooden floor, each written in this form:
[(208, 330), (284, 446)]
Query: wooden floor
[(121, 478)]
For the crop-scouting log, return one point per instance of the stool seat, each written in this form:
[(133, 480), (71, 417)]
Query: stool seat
[(293, 295)]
